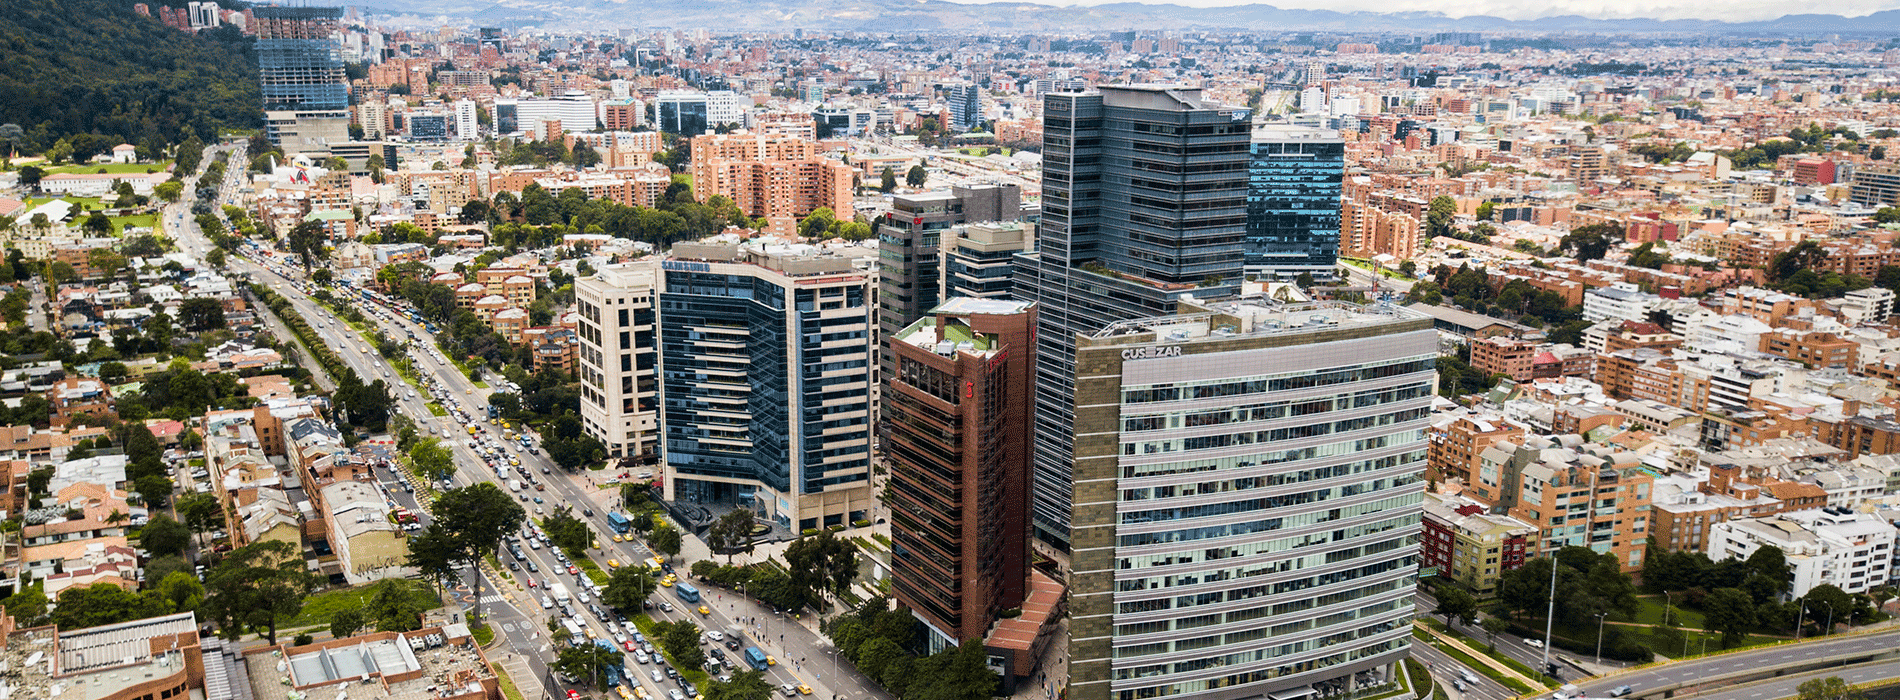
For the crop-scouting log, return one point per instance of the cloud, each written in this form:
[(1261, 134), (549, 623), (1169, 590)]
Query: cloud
[(1727, 10)]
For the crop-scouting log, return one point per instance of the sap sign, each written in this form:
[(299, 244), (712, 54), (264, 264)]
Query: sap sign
[(1151, 353)]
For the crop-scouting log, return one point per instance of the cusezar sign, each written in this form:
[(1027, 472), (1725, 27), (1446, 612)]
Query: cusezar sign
[(1151, 353)]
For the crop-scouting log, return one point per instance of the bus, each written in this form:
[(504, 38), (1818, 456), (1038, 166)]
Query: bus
[(686, 592), (755, 658), (619, 523)]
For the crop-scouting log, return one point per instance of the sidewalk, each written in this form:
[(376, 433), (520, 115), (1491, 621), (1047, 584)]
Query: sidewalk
[(1482, 657)]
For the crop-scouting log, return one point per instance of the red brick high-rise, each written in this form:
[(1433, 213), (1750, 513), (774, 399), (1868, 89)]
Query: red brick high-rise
[(960, 405)]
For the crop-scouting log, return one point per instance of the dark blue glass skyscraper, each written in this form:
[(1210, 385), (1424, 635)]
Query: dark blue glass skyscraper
[(1144, 201), (1293, 190)]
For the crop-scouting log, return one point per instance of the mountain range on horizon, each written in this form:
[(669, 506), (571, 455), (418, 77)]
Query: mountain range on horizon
[(900, 16)]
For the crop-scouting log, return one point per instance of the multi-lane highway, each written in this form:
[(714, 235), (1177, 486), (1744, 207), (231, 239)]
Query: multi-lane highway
[(514, 607), (1714, 668)]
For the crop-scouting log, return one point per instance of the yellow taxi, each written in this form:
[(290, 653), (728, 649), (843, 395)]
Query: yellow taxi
[(624, 693), (613, 563), (640, 691), (668, 581), (596, 544), (804, 689), (617, 538), (703, 610), (769, 661)]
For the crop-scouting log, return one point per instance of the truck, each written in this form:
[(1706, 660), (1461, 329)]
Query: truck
[(620, 523), (560, 592), (576, 634), (514, 484), (755, 658)]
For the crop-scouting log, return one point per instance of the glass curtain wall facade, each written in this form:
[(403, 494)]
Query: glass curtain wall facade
[(1144, 201), (766, 384), (1293, 202)]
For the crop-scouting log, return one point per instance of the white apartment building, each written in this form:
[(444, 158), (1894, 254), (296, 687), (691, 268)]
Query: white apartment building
[(1851, 550), (1622, 301), (619, 359), (467, 126)]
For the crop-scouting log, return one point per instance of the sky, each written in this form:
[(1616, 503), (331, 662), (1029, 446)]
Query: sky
[(1727, 10)]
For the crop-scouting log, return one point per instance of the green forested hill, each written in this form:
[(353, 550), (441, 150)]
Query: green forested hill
[(95, 66)]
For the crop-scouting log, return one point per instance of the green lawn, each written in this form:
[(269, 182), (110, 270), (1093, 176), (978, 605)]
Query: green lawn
[(437, 409), (93, 203), (320, 608), (484, 635), (113, 168), (1650, 612)]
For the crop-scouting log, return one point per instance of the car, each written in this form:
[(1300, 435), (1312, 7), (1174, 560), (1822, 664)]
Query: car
[(638, 654), (769, 661), (572, 569), (733, 644), (547, 603), (666, 606), (617, 538), (613, 563), (532, 567), (512, 566), (1620, 691), (630, 647), (804, 689), (533, 583), (716, 636), (1534, 643), (703, 610), (670, 673), (788, 690), (675, 694), (658, 677)]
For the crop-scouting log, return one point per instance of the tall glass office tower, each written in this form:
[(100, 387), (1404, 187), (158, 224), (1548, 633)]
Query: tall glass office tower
[(1293, 189), (300, 68), (1144, 201)]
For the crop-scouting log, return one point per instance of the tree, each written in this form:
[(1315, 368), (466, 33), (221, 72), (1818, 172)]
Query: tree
[(664, 538), (432, 460), (1438, 215), (1877, 153), (751, 685), (1493, 626), (393, 609), (1408, 268), (1827, 604), (566, 531), (181, 590), (731, 534), (164, 536), (347, 622), (587, 661), (1456, 602), (1487, 210), (821, 562), (1730, 611), (103, 604), (201, 314), (887, 182), (257, 586), (477, 517), (628, 587), (681, 641), (215, 258), (202, 512), (1829, 688), (169, 190), (28, 607), (308, 242), (1591, 241), (1804, 256), (960, 673), (917, 176)]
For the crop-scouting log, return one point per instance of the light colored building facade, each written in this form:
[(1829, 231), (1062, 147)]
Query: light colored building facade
[(1248, 488), (619, 359), (1851, 550)]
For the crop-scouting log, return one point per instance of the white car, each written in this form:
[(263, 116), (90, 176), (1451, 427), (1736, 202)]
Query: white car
[(641, 656), (658, 677), (1534, 643)]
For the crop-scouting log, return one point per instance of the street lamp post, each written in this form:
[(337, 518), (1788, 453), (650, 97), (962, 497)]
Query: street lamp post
[(1550, 615), (1829, 631), (1600, 617), (1797, 620), (1671, 597)]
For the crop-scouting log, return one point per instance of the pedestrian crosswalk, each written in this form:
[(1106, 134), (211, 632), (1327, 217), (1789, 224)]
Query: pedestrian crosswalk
[(491, 599)]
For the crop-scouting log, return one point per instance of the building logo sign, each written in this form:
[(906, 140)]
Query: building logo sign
[(1151, 353)]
